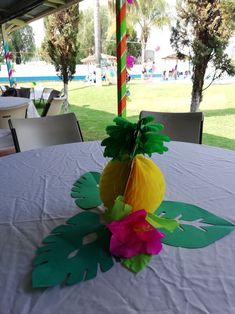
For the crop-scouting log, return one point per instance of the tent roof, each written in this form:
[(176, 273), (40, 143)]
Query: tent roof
[(174, 56), (15, 13), (92, 58)]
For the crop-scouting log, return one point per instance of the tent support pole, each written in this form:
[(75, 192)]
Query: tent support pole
[(121, 56), (7, 55)]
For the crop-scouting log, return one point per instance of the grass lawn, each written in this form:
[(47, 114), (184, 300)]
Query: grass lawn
[(96, 107)]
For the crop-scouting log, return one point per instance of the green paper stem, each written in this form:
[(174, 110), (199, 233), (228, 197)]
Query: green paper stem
[(165, 223), (118, 211), (137, 263)]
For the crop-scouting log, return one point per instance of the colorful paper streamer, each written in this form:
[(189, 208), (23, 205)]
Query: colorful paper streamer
[(7, 56), (121, 55)]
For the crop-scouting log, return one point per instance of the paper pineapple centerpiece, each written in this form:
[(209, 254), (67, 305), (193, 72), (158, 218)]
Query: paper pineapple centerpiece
[(136, 220), (129, 173)]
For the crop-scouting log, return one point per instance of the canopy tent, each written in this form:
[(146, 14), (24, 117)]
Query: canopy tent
[(15, 13), (104, 57), (176, 56)]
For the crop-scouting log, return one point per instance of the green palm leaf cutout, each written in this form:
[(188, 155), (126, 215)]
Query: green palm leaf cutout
[(198, 228), (73, 252), (86, 191)]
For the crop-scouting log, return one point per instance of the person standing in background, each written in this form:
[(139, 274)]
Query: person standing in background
[(149, 69), (144, 71), (153, 69)]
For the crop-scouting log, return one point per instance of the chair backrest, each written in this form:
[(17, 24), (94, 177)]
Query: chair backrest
[(2, 89), (24, 92), (12, 92), (53, 94), (41, 132), (53, 108), (179, 126), (46, 93), (15, 113)]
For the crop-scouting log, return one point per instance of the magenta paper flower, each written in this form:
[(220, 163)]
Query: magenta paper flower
[(130, 61), (130, 1), (133, 235)]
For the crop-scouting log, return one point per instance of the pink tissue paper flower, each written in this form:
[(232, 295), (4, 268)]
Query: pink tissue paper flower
[(133, 235), (130, 1), (130, 61)]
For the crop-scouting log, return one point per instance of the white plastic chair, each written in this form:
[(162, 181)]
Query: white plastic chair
[(6, 143), (9, 113), (35, 133), (179, 126), (54, 107), (45, 95)]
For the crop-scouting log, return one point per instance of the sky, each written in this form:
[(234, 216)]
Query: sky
[(38, 27)]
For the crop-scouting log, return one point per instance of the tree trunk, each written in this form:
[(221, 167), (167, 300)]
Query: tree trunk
[(195, 100), (97, 32), (18, 58), (143, 47), (66, 97), (198, 81)]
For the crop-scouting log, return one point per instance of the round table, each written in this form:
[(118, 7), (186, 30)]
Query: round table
[(35, 197), (13, 102)]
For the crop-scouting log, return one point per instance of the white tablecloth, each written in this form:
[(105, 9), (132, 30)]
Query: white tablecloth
[(36, 92), (35, 197), (11, 102)]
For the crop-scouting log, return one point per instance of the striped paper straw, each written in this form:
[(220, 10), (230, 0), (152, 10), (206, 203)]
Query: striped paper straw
[(7, 56), (121, 55)]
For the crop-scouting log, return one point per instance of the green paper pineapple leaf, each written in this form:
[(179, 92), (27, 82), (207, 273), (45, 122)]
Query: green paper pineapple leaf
[(128, 139)]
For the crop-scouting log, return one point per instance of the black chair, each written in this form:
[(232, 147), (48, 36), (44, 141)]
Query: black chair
[(179, 126), (35, 133), (24, 92), (10, 92)]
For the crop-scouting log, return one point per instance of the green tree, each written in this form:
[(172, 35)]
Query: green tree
[(98, 48), (86, 37), (133, 44), (147, 14), (22, 44), (1, 50), (204, 27), (60, 46)]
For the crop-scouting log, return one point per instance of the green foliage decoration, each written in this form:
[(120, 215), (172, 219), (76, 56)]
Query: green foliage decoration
[(86, 191), (69, 255), (128, 139), (197, 227)]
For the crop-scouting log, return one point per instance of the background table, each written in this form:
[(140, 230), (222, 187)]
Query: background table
[(35, 197), (6, 141), (36, 92), (12, 102)]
